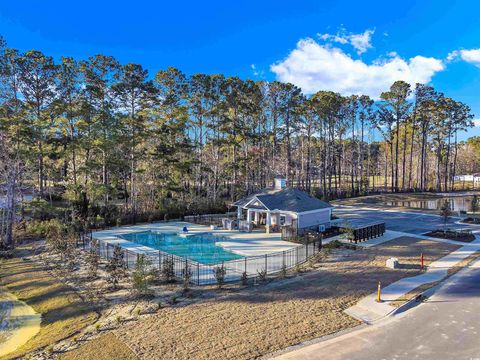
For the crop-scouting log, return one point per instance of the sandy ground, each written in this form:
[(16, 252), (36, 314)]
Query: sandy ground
[(256, 321), (18, 322)]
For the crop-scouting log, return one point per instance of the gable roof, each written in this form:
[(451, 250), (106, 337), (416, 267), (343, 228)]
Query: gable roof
[(288, 199)]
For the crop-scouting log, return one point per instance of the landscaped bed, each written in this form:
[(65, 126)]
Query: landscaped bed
[(471, 220), (254, 321), (463, 236)]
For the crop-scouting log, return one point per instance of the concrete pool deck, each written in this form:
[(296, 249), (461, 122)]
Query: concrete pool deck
[(244, 244)]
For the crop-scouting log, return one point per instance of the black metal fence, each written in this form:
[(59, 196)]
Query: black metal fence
[(367, 232), (249, 267), (209, 219)]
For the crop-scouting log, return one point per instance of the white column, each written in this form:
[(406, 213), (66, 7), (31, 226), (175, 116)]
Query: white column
[(249, 215), (268, 221), (257, 217), (239, 213)]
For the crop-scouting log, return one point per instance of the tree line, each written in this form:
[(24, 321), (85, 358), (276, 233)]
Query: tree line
[(104, 135)]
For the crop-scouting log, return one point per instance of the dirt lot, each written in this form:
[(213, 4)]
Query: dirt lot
[(253, 322)]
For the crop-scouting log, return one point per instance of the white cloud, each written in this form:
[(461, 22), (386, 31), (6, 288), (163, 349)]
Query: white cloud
[(256, 72), (361, 42), (471, 56), (476, 122), (453, 55), (314, 67)]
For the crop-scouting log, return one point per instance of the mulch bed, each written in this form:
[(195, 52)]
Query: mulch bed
[(471, 220), (452, 235)]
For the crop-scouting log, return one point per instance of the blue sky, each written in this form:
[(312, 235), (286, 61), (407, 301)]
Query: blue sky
[(346, 46)]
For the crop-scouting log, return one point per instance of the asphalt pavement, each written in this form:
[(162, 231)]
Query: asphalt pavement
[(409, 222), (447, 326)]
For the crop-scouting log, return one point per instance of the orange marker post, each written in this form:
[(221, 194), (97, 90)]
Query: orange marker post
[(379, 291), (421, 261)]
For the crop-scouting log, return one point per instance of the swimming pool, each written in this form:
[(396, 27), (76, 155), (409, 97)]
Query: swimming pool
[(201, 248)]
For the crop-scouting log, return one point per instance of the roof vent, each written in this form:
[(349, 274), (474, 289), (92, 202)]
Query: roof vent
[(280, 183)]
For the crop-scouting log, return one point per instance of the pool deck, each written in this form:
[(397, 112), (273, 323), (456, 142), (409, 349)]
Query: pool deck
[(245, 244)]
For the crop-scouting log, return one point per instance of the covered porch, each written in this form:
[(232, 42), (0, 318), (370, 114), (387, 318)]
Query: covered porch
[(259, 216)]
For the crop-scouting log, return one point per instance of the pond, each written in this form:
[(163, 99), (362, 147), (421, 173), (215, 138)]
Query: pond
[(457, 203), (3, 200)]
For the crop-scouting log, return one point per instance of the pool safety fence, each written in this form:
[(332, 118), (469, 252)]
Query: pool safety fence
[(210, 219), (249, 267)]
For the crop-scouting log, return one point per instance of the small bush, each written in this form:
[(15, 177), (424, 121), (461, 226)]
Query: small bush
[(93, 259), (283, 271), (262, 275), (141, 276), (186, 276), (115, 267), (219, 273), (244, 278), (168, 271)]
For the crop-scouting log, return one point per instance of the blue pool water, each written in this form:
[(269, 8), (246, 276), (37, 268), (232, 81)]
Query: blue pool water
[(200, 248)]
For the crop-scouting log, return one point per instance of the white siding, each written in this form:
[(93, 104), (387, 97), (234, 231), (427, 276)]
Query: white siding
[(322, 216)]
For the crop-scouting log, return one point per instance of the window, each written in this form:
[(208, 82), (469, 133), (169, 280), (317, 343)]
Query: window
[(283, 219)]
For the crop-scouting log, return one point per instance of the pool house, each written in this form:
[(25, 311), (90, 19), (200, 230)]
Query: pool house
[(281, 207)]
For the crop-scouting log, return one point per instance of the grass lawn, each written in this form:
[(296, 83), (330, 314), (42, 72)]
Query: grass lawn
[(256, 321), (63, 312), (104, 347)]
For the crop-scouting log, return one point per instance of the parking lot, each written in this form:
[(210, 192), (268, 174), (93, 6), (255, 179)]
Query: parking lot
[(410, 222)]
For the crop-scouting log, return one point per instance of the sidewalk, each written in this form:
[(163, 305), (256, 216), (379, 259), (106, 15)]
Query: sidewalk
[(369, 310)]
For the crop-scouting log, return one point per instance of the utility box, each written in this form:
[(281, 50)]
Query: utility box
[(393, 263)]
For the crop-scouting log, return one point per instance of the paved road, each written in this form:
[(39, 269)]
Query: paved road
[(410, 222), (447, 326)]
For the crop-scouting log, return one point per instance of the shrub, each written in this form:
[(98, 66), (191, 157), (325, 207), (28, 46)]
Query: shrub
[(262, 275), (93, 259), (445, 213), (62, 242), (475, 205), (168, 271), (141, 276), (244, 278), (115, 267), (186, 276), (349, 233), (283, 271), (219, 273)]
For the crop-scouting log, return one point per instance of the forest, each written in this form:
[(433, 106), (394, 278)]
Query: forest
[(97, 139)]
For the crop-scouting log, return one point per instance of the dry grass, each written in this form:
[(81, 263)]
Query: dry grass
[(254, 322), (467, 261), (105, 347), (421, 289), (63, 312)]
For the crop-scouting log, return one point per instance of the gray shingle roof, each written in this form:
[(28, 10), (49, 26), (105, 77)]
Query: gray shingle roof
[(288, 199)]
